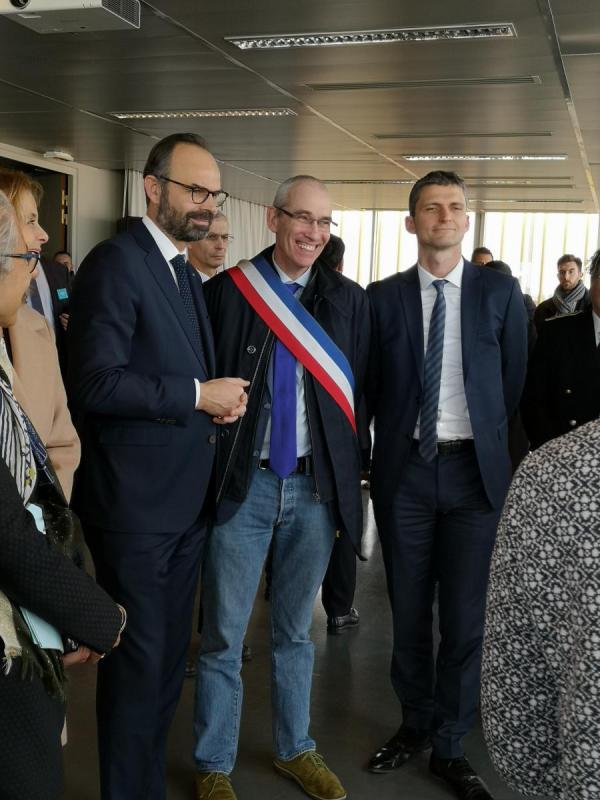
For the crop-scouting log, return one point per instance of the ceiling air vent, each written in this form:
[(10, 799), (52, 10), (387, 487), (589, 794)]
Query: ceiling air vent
[(507, 80)]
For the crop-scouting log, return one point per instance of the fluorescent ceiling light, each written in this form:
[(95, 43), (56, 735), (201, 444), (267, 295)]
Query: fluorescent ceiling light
[(501, 30), (463, 157), (526, 200), (465, 135), (368, 182), (205, 114)]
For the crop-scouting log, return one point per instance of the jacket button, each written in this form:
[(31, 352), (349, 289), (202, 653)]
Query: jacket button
[(212, 438), (251, 349), (572, 422), (568, 391)]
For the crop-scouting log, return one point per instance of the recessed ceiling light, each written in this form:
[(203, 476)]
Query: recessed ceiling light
[(463, 157), (205, 114), (385, 36)]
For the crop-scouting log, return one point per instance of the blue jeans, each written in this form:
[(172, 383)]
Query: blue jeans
[(303, 533)]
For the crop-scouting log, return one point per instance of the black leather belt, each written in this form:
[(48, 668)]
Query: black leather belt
[(452, 447), (303, 465)]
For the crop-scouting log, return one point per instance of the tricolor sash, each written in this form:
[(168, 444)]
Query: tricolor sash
[(297, 329)]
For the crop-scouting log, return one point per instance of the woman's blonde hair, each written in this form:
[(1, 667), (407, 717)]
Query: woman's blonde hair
[(15, 183), (9, 233)]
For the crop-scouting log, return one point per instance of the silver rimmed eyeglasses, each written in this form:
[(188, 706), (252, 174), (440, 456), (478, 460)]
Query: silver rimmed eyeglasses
[(200, 194), (302, 218)]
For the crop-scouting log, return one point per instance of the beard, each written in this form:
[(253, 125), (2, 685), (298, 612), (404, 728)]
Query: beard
[(182, 227)]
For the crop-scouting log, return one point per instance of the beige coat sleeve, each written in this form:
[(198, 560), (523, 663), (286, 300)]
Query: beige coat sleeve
[(39, 389)]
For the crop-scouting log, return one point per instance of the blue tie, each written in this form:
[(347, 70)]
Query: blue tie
[(183, 281), (282, 448), (35, 297), (431, 376)]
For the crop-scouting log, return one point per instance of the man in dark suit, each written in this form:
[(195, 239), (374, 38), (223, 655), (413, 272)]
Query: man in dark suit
[(141, 366), (448, 359), (562, 390)]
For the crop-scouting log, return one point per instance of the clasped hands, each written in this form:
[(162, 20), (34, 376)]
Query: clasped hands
[(224, 399)]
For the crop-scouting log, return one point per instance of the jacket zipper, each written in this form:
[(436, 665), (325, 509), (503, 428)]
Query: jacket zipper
[(237, 433)]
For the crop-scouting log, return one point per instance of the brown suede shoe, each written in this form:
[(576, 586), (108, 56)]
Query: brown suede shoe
[(314, 776), (214, 786)]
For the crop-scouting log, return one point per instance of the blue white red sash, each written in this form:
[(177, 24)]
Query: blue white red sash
[(297, 329)]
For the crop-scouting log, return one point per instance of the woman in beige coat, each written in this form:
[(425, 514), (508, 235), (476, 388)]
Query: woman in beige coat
[(38, 385)]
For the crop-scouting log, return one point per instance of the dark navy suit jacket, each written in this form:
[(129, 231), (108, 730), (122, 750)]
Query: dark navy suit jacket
[(494, 354), (146, 453)]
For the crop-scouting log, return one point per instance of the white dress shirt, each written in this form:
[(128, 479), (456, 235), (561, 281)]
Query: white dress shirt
[(45, 294), (596, 319), (168, 252), (453, 414), (303, 445)]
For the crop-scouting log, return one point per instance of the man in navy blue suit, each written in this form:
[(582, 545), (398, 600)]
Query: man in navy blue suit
[(447, 369), (144, 397)]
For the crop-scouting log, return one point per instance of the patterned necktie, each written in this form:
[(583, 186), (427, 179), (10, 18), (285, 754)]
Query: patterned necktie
[(185, 290), (34, 296), (282, 447), (431, 376)]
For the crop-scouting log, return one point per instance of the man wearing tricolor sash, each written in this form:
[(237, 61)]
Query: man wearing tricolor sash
[(288, 476)]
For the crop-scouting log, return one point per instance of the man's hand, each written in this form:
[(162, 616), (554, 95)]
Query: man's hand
[(83, 655), (224, 399), (64, 320)]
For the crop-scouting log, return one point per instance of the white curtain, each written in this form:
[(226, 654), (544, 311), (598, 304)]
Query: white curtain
[(247, 221), (134, 196), (248, 226)]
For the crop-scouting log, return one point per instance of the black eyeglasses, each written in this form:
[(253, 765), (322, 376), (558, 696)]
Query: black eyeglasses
[(199, 193), (302, 218), (30, 256)]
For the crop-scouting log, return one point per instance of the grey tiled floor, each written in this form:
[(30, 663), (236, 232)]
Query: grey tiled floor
[(354, 710)]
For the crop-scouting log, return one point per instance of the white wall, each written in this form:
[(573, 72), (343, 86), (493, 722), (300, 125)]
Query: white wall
[(95, 208), (95, 203)]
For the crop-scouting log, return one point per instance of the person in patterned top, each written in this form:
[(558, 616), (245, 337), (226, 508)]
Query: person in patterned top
[(540, 693)]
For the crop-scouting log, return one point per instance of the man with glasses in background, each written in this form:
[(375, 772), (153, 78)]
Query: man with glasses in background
[(145, 401), (207, 256), (288, 474)]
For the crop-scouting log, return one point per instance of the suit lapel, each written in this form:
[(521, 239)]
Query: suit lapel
[(203, 320), (470, 306), (162, 275), (410, 298)]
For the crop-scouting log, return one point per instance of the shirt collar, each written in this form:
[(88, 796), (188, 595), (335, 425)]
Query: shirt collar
[(454, 276), (301, 281), (164, 244)]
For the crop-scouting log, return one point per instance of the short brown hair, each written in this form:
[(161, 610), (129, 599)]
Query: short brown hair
[(568, 257), (159, 158), (436, 178)]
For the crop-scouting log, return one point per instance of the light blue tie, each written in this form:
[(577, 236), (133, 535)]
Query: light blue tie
[(431, 376)]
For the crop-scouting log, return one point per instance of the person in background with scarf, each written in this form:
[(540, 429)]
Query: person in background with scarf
[(36, 577), (569, 296)]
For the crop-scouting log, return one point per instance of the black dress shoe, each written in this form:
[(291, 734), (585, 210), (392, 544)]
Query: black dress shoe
[(461, 776), (337, 624), (404, 744)]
